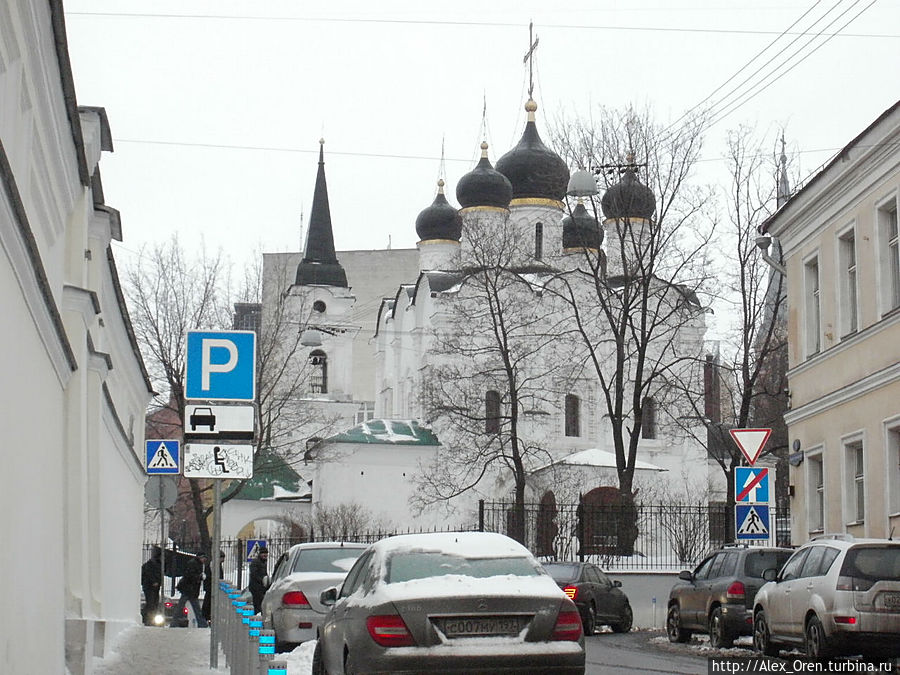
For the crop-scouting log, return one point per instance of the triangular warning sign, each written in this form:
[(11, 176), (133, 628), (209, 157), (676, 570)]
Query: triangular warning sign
[(753, 524), (750, 442), (162, 459)]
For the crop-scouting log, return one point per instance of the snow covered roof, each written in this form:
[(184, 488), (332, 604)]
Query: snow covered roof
[(273, 479), (599, 458), (392, 432)]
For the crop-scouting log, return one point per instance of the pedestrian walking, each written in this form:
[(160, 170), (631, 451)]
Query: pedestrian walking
[(190, 585), (259, 577), (151, 573), (207, 586)]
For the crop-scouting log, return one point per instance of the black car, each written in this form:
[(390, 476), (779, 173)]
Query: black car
[(600, 601), (717, 597)]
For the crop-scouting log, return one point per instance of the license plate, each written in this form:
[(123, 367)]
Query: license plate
[(469, 626), (891, 600)]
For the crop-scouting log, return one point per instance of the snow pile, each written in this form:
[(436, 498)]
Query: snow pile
[(147, 650)]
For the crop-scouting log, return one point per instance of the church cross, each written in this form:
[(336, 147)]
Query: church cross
[(529, 57)]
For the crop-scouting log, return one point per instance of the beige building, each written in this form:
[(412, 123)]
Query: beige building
[(839, 237)]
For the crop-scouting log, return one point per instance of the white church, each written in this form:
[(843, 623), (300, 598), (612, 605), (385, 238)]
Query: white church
[(415, 391)]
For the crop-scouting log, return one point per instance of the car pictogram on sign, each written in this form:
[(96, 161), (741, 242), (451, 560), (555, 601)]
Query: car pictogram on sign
[(202, 417)]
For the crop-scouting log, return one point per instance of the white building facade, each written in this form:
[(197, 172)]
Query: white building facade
[(75, 390)]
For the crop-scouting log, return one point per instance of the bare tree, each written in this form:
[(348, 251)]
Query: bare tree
[(342, 521), (497, 336)]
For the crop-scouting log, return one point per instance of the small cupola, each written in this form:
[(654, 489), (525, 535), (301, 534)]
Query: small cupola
[(440, 220), (484, 185), (629, 198)]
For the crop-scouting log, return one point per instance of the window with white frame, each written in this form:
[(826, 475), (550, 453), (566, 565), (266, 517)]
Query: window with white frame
[(856, 481), (813, 317), (816, 492), (365, 412), (892, 438), (848, 293), (890, 255)]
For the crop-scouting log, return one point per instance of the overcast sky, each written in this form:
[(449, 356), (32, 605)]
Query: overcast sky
[(217, 106)]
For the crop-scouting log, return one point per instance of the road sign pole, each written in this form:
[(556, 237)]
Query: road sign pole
[(214, 585), (161, 604)]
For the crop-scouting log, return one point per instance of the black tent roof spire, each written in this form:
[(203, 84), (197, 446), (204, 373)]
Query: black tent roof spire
[(320, 266)]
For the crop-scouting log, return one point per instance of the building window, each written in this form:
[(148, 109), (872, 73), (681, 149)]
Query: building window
[(648, 418), (365, 412), (890, 266), (318, 377), (813, 318), (856, 481), (847, 267), (573, 415), (538, 241), (893, 467), (492, 412), (816, 488)]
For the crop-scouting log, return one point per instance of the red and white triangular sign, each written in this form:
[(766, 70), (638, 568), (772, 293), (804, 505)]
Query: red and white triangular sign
[(750, 442)]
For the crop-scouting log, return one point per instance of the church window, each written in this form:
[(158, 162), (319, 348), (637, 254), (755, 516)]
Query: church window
[(648, 418), (538, 241), (573, 415), (492, 412), (318, 378)]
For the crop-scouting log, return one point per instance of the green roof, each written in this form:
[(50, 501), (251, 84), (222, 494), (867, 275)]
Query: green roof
[(390, 432), (273, 478)]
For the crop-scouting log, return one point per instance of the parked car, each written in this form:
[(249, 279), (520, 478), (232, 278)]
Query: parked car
[(291, 606), (717, 597), (837, 595), (599, 600), (458, 602)]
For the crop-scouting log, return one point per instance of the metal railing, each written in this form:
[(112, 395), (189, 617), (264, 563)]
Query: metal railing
[(249, 648)]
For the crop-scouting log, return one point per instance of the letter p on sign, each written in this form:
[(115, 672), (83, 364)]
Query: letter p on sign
[(221, 366)]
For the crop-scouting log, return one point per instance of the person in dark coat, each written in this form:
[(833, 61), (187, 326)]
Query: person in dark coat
[(189, 585), (207, 586), (151, 571), (259, 577)]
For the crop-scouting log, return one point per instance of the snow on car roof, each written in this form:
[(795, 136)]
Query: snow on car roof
[(468, 544)]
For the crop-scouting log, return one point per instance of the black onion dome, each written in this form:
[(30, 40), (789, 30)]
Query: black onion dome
[(534, 169), (484, 185), (629, 198), (581, 229), (440, 220)]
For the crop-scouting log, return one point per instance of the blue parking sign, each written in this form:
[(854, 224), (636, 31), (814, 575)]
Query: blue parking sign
[(221, 366)]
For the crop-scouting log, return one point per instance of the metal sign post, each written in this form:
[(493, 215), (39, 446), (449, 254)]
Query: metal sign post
[(214, 585), (161, 603)]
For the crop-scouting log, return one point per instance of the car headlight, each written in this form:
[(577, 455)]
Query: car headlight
[(159, 619)]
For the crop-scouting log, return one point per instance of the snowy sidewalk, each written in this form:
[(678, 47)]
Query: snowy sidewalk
[(148, 650)]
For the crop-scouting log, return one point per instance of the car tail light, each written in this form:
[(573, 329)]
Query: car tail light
[(169, 605), (853, 584), (568, 626), (571, 591), (389, 630), (735, 591), (184, 610), (295, 599), (851, 620)]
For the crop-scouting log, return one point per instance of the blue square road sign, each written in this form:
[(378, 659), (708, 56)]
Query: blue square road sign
[(221, 366), (163, 457)]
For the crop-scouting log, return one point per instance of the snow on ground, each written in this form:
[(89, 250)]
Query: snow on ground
[(148, 650)]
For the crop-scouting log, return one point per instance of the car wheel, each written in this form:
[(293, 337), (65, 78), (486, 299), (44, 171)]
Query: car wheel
[(589, 620), (318, 665), (627, 620), (285, 646), (762, 639), (673, 626), (349, 665), (816, 642), (718, 635)]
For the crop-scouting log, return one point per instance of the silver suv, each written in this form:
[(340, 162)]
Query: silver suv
[(836, 595)]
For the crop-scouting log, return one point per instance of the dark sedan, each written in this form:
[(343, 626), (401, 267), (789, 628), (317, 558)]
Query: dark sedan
[(600, 601), (456, 602)]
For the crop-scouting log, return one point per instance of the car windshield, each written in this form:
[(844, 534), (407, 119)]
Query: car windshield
[(876, 563), (562, 572), (409, 565), (758, 562), (326, 560)]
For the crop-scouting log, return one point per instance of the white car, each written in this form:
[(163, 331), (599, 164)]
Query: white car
[(291, 606)]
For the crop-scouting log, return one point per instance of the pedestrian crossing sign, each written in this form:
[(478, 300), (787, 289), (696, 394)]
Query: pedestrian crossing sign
[(253, 546), (163, 457), (752, 521)]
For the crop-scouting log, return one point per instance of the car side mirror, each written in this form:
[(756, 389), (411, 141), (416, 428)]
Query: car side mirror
[(617, 583), (770, 574), (329, 596), (686, 575)]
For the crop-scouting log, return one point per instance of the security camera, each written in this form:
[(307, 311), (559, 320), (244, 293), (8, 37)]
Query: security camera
[(763, 242)]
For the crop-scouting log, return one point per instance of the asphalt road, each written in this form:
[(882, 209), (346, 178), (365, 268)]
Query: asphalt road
[(641, 651)]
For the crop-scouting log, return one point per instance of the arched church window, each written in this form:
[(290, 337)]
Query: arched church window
[(538, 241), (318, 377), (648, 418), (492, 412), (573, 415)]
